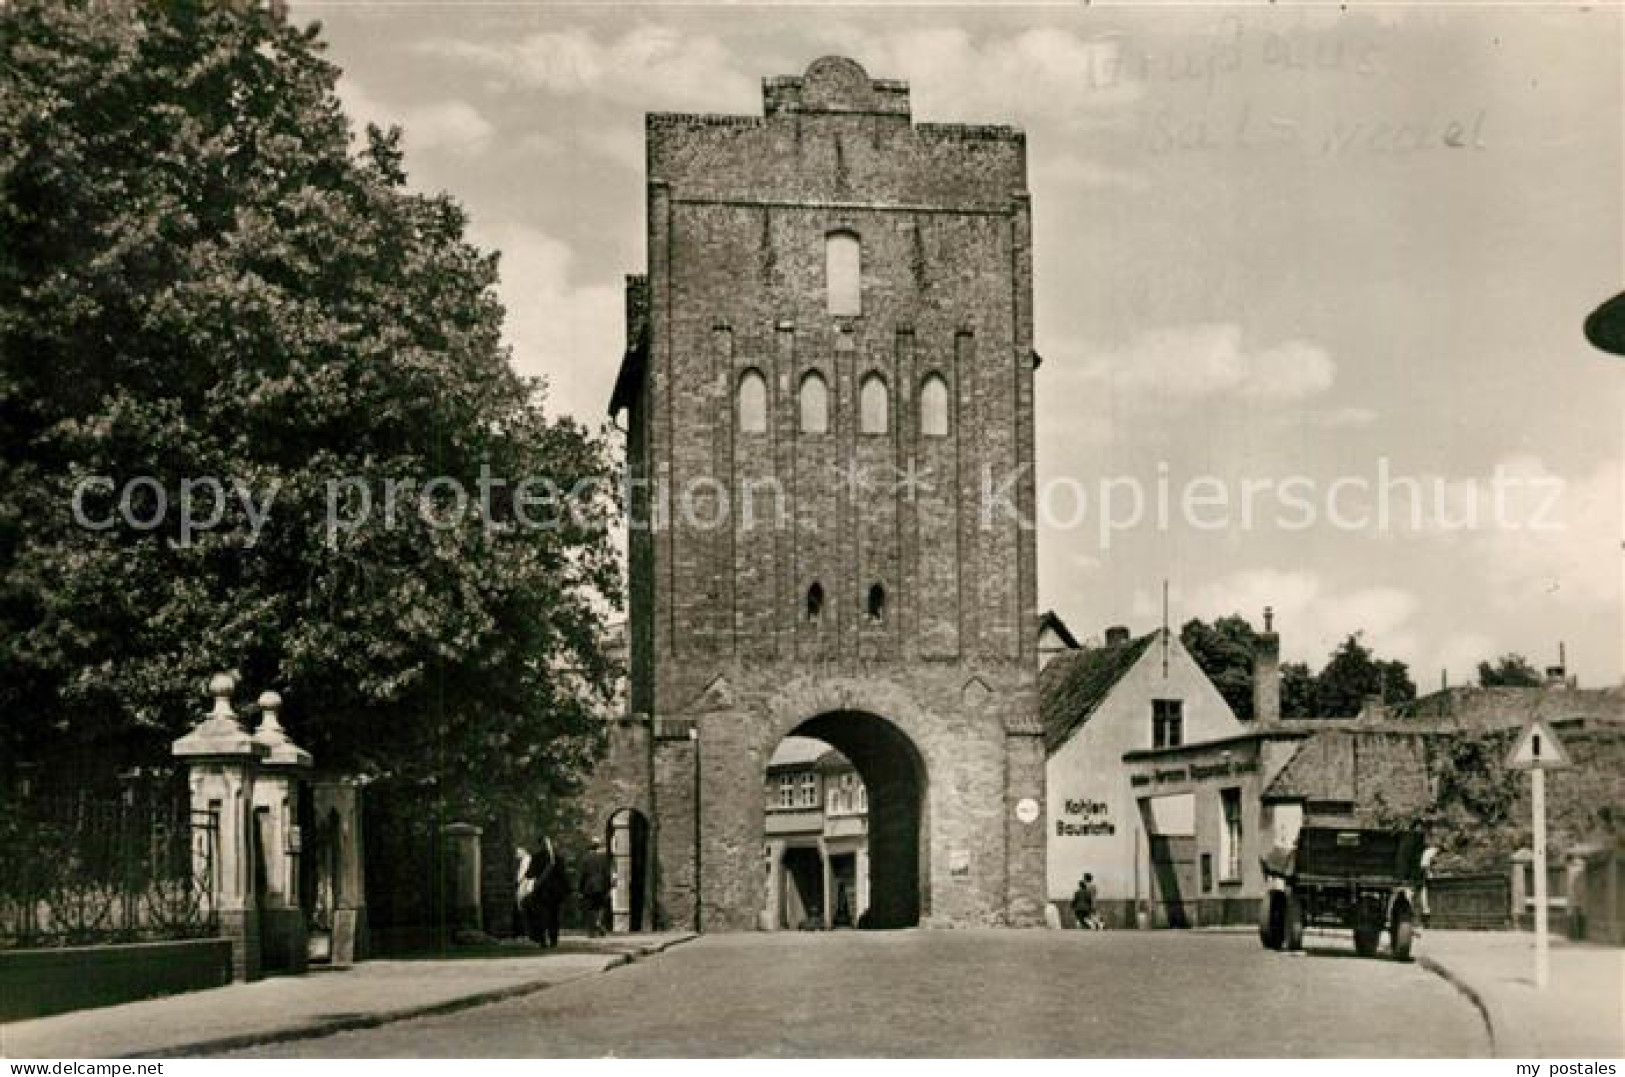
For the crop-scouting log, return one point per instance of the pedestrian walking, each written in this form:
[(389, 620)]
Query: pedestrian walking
[(542, 898), (1083, 905), (597, 881)]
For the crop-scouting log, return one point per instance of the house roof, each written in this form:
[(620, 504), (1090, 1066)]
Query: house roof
[(1505, 708), (1385, 768), (1049, 619), (797, 752), (1073, 685), (629, 379)]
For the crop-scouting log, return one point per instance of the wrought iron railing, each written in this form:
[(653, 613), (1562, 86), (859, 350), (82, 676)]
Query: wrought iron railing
[(80, 870)]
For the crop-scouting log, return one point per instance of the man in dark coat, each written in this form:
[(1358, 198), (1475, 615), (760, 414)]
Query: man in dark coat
[(597, 880), (1083, 904), (549, 885)]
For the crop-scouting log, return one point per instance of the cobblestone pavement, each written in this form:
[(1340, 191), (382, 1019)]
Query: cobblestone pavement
[(960, 993)]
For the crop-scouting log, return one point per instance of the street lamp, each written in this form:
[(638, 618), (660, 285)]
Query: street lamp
[(1605, 326)]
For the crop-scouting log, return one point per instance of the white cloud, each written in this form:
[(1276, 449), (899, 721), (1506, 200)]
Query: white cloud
[(1555, 539), (1013, 78), (1347, 418), (1312, 617), (568, 332), (1176, 366), (450, 125), (644, 66)]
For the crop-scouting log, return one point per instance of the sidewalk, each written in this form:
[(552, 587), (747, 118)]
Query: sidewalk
[(1580, 1015), (298, 1007)]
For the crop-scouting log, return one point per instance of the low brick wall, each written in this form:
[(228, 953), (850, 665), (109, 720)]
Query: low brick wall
[(37, 983)]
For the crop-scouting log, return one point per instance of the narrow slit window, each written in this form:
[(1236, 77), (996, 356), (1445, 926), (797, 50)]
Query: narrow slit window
[(934, 407), (843, 261), (874, 415), (814, 404), (815, 602), (877, 603), (752, 403)]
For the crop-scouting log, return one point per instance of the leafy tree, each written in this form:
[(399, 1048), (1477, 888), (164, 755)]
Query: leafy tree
[(1297, 690), (205, 277), (1509, 671), (1353, 674), (1224, 650)]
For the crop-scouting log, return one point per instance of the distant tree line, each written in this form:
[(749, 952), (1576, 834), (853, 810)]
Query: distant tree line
[(1353, 672)]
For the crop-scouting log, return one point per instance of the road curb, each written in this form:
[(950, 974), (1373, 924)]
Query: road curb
[(358, 1022), (1469, 992)]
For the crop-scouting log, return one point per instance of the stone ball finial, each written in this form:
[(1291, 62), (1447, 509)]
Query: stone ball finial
[(270, 701), (221, 685)]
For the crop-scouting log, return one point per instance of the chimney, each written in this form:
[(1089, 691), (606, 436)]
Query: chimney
[(1267, 671), (1558, 676), (1116, 635)]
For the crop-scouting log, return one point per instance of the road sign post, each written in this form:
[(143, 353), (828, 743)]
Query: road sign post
[(1538, 750)]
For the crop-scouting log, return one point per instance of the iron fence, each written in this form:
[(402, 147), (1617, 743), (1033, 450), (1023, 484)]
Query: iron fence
[(84, 870)]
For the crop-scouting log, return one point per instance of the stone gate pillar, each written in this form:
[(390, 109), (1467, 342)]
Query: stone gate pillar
[(284, 941), (223, 764), (341, 880), (463, 851)]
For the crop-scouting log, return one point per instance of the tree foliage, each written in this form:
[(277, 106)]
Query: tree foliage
[(1224, 649), (207, 274), (1509, 671), (1353, 674)]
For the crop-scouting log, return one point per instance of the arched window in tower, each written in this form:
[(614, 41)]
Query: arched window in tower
[(814, 404), (873, 406), (815, 601), (934, 407), (752, 403), (843, 262), (877, 603)]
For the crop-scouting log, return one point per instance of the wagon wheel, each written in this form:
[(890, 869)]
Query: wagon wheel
[(1271, 921), (1403, 932), (1367, 928), (1292, 933)]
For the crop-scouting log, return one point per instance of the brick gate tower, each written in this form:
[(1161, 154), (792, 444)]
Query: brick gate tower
[(828, 391)]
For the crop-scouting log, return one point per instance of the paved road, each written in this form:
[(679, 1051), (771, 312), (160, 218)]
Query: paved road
[(959, 993)]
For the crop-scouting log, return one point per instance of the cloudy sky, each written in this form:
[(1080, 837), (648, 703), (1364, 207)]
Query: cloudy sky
[(1273, 246)]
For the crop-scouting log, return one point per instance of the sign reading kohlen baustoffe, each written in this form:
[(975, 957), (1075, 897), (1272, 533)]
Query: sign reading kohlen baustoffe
[(1537, 747)]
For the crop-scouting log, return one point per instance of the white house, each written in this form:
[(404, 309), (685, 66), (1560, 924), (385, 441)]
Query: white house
[(1099, 703)]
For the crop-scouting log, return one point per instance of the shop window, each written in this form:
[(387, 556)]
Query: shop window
[(1230, 836), (814, 404), (934, 407), (752, 403), (1167, 723), (874, 410), (843, 272)]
